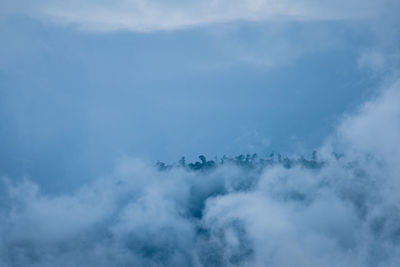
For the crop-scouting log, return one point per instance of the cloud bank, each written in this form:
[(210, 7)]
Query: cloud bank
[(346, 213), (150, 15)]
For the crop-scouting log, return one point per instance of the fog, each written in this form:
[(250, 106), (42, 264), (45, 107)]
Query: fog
[(93, 93), (345, 212)]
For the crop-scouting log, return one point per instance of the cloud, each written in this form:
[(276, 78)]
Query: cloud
[(376, 125), (150, 15), (346, 213)]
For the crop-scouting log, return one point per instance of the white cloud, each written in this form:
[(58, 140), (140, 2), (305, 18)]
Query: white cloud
[(149, 15), (334, 216), (376, 126)]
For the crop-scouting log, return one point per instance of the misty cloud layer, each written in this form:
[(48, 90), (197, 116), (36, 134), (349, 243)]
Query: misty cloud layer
[(346, 213), (151, 15)]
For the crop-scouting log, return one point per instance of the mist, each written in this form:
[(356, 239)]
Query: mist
[(345, 212), (199, 133)]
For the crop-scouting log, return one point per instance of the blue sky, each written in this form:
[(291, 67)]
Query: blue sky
[(84, 84)]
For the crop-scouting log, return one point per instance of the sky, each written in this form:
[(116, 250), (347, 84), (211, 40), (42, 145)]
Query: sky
[(84, 84), (94, 93)]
